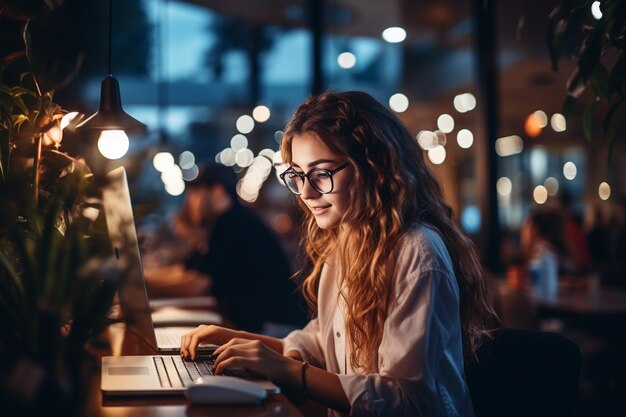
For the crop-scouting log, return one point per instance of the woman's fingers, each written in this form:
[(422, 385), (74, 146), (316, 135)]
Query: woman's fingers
[(230, 343), (232, 362), (252, 355), (190, 341)]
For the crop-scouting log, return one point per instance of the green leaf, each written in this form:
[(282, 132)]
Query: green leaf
[(5, 139), (556, 27), (18, 91), (618, 14), (47, 248), (19, 102), (611, 138), (9, 268), (610, 127), (10, 58), (609, 114), (600, 81), (19, 241), (7, 104), (590, 52), (568, 104), (18, 119), (617, 79), (575, 84), (588, 113)]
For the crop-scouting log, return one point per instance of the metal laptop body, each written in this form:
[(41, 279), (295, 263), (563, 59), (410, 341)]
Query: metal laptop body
[(149, 374)]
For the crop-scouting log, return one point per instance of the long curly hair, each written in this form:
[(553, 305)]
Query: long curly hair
[(391, 189)]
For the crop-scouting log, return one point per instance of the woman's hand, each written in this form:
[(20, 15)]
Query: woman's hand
[(204, 334), (257, 357)]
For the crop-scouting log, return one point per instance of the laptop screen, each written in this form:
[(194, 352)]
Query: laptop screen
[(123, 235)]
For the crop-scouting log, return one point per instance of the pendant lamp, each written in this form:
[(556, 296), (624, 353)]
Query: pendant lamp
[(111, 119)]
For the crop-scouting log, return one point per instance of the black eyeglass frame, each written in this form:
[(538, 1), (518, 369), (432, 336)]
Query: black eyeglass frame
[(307, 176)]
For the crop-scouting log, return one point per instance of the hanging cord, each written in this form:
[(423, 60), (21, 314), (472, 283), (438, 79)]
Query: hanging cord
[(162, 69), (110, 34)]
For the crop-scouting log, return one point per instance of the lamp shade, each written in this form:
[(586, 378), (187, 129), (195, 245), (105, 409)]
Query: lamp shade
[(111, 115)]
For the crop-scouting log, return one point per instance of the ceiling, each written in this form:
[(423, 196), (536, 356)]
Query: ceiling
[(524, 86)]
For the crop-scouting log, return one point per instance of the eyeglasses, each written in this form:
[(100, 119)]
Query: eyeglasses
[(320, 179)]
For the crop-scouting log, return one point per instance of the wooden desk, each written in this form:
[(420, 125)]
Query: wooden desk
[(589, 300), (128, 343), (578, 296)]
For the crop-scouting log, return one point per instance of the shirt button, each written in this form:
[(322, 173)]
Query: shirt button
[(338, 334)]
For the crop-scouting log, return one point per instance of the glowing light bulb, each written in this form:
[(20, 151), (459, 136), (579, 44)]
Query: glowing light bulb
[(113, 144)]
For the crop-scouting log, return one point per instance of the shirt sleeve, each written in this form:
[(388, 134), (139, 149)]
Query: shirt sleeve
[(421, 323), (307, 342)]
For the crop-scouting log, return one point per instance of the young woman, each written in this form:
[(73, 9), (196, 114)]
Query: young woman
[(396, 288)]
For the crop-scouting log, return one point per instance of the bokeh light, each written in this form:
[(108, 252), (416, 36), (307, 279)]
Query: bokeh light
[(604, 191), (394, 34), (504, 186), (261, 113), (542, 118), (552, 185), (244, 157), (437, 155), (191, 173), (186, 160), (596, 12), (470, 219), (239, 142), (245, 124), (558, 123), (162, 161), (427, 140), (540, 194), (445, 123), (464, 102), (533, 125), (399, 102), (569, 170), (509, 145), (346, 60), (465, 138), (227, 157)]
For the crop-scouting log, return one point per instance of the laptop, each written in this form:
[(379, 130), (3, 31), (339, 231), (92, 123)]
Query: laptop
[(146, 374), (133, 296)]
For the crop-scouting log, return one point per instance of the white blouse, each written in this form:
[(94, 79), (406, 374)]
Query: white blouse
[(420, 358)]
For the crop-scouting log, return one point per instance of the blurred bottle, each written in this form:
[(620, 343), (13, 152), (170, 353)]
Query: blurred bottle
[(516, 276), (544, 274)]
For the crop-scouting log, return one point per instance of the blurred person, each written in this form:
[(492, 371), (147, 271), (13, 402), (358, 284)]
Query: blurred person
[(575, 238), (614, 271), (545, 250), (398, 289), (234, 256), (598, 240), (543, 233)]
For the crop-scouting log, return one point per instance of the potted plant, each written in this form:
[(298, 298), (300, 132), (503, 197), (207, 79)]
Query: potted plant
[(56, 286), (594, 34)]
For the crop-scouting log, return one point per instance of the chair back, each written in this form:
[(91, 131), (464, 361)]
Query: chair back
[(525, 373)]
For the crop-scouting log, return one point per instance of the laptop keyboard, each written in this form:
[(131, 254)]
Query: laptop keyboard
[(174, 372)]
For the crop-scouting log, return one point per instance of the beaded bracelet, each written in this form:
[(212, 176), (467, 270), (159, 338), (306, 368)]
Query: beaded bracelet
[(305, 389)]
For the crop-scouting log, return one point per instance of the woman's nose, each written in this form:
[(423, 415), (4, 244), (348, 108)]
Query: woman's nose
[(308, 192)]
